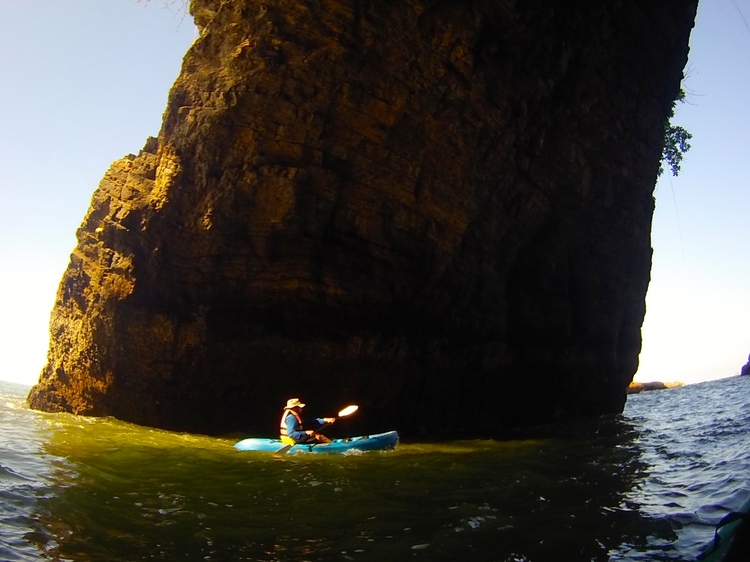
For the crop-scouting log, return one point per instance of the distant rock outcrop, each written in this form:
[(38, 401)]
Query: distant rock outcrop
[(636, 387), (439, 210), (746, 368)]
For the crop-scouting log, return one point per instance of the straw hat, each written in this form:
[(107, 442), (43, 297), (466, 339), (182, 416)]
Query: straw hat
[(294, 403)]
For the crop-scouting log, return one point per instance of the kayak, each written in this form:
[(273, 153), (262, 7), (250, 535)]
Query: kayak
[(731, 542), (375, 442)]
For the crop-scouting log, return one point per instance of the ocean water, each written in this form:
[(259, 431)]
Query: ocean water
[(646, 485)]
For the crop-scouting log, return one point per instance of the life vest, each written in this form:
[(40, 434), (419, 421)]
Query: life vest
[(282, 425)]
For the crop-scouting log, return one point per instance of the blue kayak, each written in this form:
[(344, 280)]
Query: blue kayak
[(375, 442)]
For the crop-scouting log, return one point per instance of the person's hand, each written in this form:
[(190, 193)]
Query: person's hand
[(310, 432)]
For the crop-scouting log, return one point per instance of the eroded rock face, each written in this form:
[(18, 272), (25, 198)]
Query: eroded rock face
[(438, 210)]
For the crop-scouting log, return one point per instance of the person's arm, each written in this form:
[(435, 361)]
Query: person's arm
[(317, 423), (321, 422)]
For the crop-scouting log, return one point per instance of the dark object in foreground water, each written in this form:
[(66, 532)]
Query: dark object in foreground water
[(732, 538)]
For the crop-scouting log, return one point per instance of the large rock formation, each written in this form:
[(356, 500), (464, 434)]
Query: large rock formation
[(439, 210)]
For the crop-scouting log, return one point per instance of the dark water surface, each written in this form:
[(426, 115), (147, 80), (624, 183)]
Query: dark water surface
[(647, 485)]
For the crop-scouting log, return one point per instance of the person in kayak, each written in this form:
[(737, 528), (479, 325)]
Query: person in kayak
[(294, 428)]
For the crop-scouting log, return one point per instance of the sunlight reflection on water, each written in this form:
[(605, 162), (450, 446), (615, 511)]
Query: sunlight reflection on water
[(647, 485)]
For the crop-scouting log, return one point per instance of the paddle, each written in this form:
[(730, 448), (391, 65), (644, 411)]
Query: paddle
[(348, 411)]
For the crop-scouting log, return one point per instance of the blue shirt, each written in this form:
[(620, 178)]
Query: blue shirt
[(296, 430)]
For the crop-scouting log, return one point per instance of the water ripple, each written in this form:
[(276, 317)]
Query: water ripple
[(698, 451), (647, 485)]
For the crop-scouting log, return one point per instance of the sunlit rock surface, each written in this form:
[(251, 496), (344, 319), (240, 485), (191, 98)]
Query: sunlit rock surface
[(438, 210), (638, 387)]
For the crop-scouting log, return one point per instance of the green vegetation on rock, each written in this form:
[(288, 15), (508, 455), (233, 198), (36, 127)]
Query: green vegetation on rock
[(675, 141)]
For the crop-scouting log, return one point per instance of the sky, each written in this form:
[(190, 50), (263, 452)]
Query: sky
[(85, 82)]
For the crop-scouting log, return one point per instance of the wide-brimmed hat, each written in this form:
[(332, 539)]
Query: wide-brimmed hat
[(294, 403)]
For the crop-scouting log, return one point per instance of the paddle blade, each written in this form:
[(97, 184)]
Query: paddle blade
[(348, 411)]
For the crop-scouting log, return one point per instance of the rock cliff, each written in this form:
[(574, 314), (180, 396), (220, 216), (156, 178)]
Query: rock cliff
[(438, 210)]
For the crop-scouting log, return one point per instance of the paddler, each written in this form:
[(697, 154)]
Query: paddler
[(294, 428)]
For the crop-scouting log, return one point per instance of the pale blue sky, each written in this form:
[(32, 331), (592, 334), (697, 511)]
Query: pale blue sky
[(698, 306), (85, 82)]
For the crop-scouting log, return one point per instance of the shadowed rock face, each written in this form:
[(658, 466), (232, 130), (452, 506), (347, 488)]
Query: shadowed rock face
[(438, 210)]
